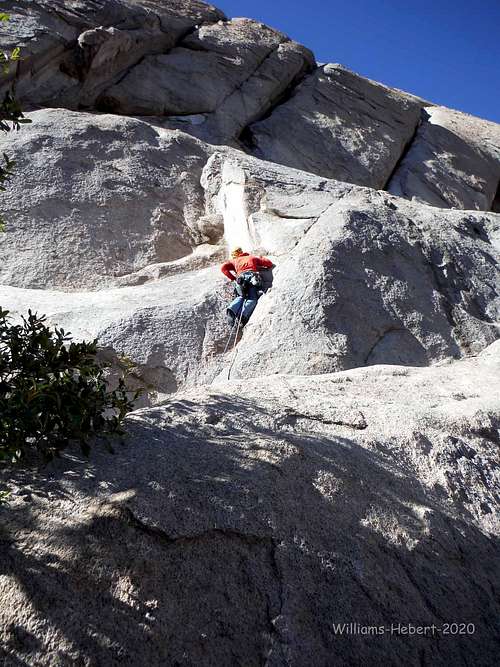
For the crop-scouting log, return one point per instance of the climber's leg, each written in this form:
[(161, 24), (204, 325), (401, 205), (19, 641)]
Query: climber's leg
[(249, 305), (233, 310)]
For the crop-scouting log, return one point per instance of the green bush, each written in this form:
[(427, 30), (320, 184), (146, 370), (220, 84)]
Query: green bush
[(52, 391), (11, 115)]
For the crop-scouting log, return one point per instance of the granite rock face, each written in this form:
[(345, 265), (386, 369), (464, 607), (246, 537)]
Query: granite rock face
[(73, 49), (172, 329), (339, 125), (241, 83), (236, 70), (362, 277), (453, 162), (333, 464), (265, 207), (361, 497), (97, 197)]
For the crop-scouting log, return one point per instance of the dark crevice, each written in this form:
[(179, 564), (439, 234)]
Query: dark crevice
[(106, 103), (75, 62), (495, 207), (245, 137), (291, 416), (197, 48), (189, 31), (424, 116), (288, 93), (165, 538), (240, 85), (380, 337), (446, 304)]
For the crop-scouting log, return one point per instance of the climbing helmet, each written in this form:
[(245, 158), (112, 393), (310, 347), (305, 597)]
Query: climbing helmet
[(236, 252)]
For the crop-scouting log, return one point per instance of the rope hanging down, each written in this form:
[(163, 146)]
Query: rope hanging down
[(228, 342), (233, 329), (235, 350)]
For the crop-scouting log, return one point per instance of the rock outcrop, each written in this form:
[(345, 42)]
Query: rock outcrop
[(453, 162), (361, 278), (171, 329), (73, 49), (347, 474), (98, 197), (423, 282), (375, 280), (236, 70), (241, 83), (242, 525), (339, 125)]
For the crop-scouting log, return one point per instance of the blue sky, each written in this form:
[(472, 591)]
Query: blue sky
[(447, 51)]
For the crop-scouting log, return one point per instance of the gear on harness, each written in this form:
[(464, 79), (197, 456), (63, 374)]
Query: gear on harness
[(245, 280)]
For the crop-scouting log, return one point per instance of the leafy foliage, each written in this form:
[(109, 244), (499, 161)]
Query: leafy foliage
[(6, 172), (10, 112), (11, 115), (52, 391)]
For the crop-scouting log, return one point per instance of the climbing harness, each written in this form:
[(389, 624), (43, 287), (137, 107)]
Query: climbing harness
[(245, 280)]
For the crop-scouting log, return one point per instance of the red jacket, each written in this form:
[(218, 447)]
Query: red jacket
[(244, 262)]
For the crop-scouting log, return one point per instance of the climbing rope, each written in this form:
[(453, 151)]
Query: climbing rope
[(235, 349), (234, 329)]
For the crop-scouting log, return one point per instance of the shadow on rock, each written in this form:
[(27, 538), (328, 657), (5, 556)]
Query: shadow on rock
[(220, 535)]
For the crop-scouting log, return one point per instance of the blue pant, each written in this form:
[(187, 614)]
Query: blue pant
[(247, 304)]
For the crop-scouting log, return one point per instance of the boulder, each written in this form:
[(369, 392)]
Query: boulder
[(172, 330), (265, 208), (72, 50), (97, 197), (238, 525), (454, 162), (236, 71), (339, 125), (361, 277), (320, 488)]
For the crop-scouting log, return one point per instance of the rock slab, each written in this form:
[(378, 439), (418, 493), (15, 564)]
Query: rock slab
[(454, 162), (339, 125), (360, 497)]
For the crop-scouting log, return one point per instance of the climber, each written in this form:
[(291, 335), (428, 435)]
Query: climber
[(244, 270)]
